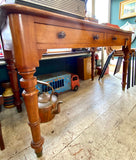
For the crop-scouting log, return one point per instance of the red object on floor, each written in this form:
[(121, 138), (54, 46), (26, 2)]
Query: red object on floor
[(1, 54), (100, 70)]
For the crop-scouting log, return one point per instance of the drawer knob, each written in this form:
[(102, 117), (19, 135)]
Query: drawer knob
[(61, 35), (114, 38), (96, 37)]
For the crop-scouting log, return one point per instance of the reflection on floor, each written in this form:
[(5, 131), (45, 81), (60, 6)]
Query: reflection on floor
[(112, 65), (98, 122)]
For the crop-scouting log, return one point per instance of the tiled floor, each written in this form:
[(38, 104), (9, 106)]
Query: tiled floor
[(98, 122)]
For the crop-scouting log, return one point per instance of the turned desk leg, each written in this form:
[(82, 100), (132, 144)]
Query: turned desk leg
[(1, 102), (30, 95), (93, 61), (125, 66), (93, 65), (2, 146), (13, 79)]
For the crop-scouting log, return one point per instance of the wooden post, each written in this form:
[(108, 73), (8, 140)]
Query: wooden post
[(30, 95), (22, 27), (1, 102), (125, 66), (93, 61), (2, 146), (13, 79)]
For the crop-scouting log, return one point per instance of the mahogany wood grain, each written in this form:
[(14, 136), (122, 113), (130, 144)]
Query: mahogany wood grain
[(35, 30), (73, 36)]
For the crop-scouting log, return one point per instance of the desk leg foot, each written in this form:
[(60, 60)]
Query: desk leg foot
[(39, 154), (19, 108), (30, 95), (38, 148)]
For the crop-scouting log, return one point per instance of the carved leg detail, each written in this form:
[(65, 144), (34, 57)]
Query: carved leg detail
[(30, 95), (13, 79), (125, 66)]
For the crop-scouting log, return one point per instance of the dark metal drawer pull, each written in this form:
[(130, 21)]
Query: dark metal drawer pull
[(96, 37), (61, 35), (114, 38)]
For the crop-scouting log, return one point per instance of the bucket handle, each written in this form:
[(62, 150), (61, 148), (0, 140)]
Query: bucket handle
[(47, 84)]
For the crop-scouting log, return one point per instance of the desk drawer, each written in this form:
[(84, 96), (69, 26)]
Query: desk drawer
[(116, 39), (60, 35)]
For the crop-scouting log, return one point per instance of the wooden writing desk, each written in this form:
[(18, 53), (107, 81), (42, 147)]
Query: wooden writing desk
[(34, 30)]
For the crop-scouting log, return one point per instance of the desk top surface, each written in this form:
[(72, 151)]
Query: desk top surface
[(34, 31), (20, 9)]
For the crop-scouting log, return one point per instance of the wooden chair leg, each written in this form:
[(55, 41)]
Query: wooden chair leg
[(2, 146)]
